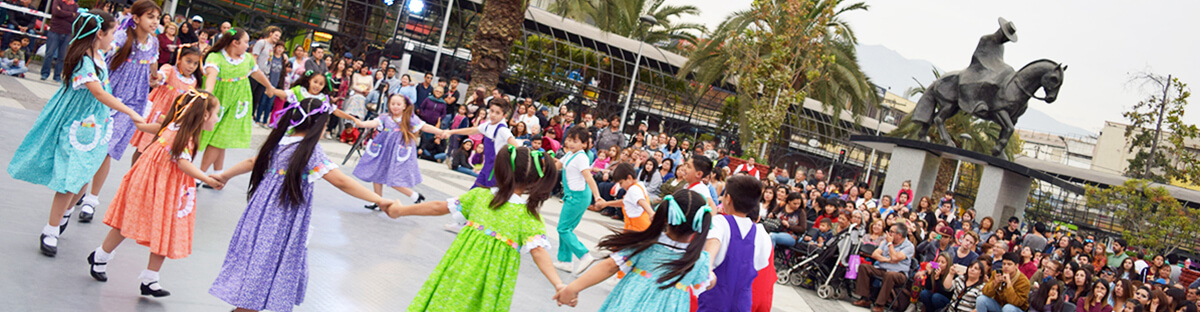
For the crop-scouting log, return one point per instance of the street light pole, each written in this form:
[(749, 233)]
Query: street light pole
[(650, 21), (437, 58)]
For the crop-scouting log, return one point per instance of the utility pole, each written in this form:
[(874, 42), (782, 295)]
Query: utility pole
[(1157, 128)]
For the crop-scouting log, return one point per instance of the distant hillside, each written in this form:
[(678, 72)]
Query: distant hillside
[(890, 70)]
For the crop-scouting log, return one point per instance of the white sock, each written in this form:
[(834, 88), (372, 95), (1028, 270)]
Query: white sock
[(50, 230), (148, 277), (414, 195), (218, 171), (67, 215), (102, 256), (91, 199)]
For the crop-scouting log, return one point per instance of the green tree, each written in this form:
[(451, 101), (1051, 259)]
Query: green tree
[(1149, 215), (621, 17), (1157, 122), (776, 61), (842, 86), (490, 49)]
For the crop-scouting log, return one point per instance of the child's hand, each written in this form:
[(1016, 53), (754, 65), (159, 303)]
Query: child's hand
[(566, 296), (137, 119), (220, 178), (214, 183), (392, 208)]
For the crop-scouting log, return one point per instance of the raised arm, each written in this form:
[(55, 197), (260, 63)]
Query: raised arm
[(373, 123), (429, 208), (462, 131), (432, 130)]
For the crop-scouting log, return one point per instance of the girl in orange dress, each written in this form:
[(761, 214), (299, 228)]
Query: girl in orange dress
[(155, 203), (177, 80)]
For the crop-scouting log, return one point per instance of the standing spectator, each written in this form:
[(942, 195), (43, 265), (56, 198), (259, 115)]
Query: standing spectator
[(1013, 231), (275, 73), (225, 26), (893, 261), (1118, 254), (722, 155), (186, 35), (431, 111), (168, 42), (62, 14), (408, 89), (611, 136), (197, 26), (425, 88), (1007, 291), (1036, 239), (452, 95), (317, 62)]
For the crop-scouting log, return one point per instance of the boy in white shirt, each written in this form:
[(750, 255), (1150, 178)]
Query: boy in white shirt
[(694, 172), (636, 203)]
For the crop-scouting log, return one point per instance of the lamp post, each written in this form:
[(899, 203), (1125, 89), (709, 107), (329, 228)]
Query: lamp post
[(649, 21), (437, 58)]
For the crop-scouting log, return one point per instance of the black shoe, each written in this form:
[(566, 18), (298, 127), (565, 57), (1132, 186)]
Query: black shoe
[(47, 250), (99, 276), (146, 291), (80, 202), (84, 215), (205, 185), (420, 198), (63, 227), (371, 207)]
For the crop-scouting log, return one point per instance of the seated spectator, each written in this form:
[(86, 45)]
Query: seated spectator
[(1097, 301), (535, 143), (935, 294), (1008, 291), (461, 160), (876, 235), (964, 252), (824, 233), (830, 211), (1080, 285), (794, 221), (967, 285), (13, 63), (1048, 271), (939, 241), (892, 263), (1028, 264), (1048, 298)]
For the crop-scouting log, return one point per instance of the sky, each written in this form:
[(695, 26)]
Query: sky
[(1102, 42)]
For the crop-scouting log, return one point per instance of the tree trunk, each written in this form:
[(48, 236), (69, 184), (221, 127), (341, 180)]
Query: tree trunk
[(945, 176), (500, 26)]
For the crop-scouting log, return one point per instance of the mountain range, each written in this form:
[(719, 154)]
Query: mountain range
[(892, 71)]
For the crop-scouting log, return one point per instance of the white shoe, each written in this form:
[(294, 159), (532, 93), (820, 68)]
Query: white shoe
[(564, 266), (453, 227), (583, 264)]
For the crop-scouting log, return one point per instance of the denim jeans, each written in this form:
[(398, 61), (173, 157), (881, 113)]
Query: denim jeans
[(466, 171), (56, 51), (262, 109), (783, 239), (933, 301), (985, 304), (11, 68)]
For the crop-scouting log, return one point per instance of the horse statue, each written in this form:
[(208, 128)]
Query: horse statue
[(941, 100)]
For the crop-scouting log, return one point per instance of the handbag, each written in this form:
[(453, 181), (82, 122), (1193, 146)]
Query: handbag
[(772, 225)]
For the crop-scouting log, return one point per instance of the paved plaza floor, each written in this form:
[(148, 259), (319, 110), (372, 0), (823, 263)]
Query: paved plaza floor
[(359, 260)]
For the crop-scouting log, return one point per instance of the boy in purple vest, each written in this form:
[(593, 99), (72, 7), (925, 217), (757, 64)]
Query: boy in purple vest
[(739, 248)]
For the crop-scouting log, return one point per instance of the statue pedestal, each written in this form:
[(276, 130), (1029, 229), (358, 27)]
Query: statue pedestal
[(1002, 194), (918, 165)]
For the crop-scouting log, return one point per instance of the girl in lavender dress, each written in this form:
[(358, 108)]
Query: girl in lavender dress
[(266, 266), (134, 59), (390, 158)]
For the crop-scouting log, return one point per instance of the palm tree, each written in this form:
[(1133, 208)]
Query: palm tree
[(847, 88), (967, 131), (621, 17), (490, 49)]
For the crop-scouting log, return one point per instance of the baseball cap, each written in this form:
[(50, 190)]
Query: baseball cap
[(945, 230), (197, 18), (347, 55)]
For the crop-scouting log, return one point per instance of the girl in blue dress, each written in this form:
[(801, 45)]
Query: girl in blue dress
[(663, 266), (73, 129)]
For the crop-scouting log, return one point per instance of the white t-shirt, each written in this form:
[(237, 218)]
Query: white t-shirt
[(762, 242), (635, 192), (500, 139), (702, 188), (531, 122), (574, 170)]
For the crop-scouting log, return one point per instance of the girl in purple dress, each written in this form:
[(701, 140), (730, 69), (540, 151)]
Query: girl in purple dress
[(133, 62), (390, 158), (266, 267)]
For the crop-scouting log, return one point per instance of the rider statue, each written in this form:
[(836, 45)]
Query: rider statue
[(979, 83)]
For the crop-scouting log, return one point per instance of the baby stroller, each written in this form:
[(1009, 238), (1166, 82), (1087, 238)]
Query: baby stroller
[(826, 265)]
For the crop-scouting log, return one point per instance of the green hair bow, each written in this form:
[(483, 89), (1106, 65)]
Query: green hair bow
[(536, 155), (675, 215)]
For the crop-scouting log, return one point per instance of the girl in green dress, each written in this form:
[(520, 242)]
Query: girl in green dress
[(479, 272), (225, 70)]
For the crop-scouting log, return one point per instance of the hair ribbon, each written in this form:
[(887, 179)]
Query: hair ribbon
[(675, 215), (698, 219), (84, 16), (324, 108)]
